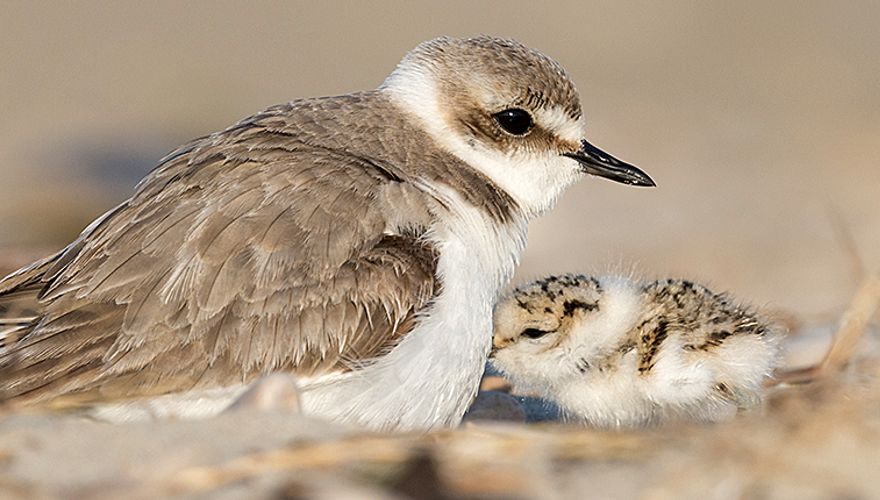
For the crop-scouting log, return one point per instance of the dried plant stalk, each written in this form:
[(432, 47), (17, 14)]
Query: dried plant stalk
[(852, 326)]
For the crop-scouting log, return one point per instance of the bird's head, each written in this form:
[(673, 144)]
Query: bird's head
[(506, 110), (550, 330)]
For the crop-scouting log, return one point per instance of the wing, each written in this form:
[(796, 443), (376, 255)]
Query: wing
[(243, 253)]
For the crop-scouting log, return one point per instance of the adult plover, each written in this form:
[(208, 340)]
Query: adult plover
[(359, 242), (615, 352)]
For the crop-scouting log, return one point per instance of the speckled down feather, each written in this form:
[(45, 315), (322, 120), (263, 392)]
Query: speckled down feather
[(617, 352)]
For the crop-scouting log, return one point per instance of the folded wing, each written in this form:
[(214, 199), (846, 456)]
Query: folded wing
[(242, 253)]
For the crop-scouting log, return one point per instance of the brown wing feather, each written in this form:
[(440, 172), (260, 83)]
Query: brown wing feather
[(245, 252)]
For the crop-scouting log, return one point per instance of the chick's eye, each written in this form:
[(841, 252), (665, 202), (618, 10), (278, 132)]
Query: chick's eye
[(514, 121), (533, 333)]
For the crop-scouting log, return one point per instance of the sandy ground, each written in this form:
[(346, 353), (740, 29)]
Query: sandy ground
[(812, 441), (760, 123)]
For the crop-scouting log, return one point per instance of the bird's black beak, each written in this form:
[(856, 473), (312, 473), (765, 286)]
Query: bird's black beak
[(596, 162)]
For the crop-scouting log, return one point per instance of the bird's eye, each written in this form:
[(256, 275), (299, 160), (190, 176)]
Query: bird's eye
[(533, 333), (514, 121)]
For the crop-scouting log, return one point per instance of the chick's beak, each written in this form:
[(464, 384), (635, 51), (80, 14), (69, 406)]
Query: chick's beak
[(596, 162), (498, 343)]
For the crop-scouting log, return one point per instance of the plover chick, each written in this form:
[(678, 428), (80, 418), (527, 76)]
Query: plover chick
[(615, 352), (358, 242)]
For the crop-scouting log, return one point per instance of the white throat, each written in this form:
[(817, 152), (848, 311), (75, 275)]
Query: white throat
[(534, 180)]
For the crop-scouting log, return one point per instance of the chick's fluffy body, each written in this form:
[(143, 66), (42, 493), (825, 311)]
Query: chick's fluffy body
[(617, 352)]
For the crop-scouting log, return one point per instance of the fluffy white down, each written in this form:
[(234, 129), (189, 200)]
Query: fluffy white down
[(681, 384), (547, 365)]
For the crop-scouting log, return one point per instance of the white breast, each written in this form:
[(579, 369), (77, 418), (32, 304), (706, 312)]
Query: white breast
[(429, 379)]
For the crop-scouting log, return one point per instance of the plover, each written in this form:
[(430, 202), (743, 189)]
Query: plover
[(615, 352), (358, 242)]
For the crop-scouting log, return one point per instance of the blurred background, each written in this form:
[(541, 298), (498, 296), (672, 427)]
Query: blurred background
[(759, 121)]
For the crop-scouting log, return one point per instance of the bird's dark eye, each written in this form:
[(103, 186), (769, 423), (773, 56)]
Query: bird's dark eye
[(514, 121), (533, 333)]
